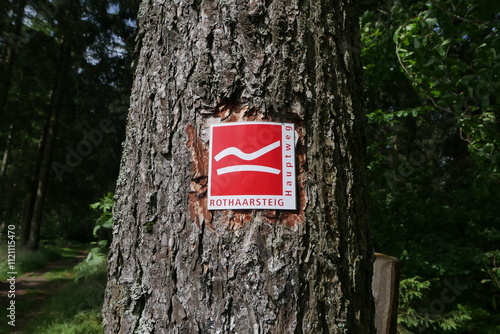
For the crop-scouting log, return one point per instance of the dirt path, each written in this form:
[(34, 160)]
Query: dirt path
[(33, 289)]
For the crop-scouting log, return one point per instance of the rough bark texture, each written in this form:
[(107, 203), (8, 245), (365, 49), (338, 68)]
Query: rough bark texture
[(176, 267)]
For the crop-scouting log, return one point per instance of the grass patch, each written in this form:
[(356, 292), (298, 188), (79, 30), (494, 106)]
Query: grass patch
[(27, 260), (85, 322), (75, 300), (75, 309)]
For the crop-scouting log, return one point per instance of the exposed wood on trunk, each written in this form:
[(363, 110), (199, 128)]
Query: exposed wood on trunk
[(177, 268)]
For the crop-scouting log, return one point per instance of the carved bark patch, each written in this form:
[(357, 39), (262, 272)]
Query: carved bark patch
[(237, 217)]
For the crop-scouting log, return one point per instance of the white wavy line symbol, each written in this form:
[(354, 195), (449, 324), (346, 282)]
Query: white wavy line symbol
[(247, 168), (247, 156)]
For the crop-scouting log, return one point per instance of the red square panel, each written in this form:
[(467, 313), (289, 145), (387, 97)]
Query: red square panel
[(252, 166)]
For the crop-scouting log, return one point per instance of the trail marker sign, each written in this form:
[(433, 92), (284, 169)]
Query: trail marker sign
[(252, 166)]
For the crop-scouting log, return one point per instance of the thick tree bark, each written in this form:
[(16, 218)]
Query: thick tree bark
[(176, 267)]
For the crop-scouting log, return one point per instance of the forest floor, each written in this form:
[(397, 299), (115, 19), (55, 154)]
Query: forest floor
[(34, 289)]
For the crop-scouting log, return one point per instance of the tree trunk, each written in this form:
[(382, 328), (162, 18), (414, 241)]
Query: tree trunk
[(6, 152), (3, 174), (47, 143), (33, 185), (12, 43), (176, 267)]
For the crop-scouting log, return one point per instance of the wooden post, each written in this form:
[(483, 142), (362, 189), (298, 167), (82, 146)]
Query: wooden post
[(385, 286)]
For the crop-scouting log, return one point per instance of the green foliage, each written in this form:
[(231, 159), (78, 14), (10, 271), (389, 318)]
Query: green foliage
[(483, 322), (411, 289), (96, 259), (491, 262), (413, 317), (431, 97), (94, 263), (105, 220), (451, 58)]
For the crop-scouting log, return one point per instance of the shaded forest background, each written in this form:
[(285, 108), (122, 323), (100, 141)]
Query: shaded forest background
[(431, 75)]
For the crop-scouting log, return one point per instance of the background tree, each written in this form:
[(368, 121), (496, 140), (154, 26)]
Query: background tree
[(176, 267), (69, 78), (431, 75)]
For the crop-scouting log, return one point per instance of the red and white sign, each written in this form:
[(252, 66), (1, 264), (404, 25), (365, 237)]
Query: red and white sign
[(252, 166)]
